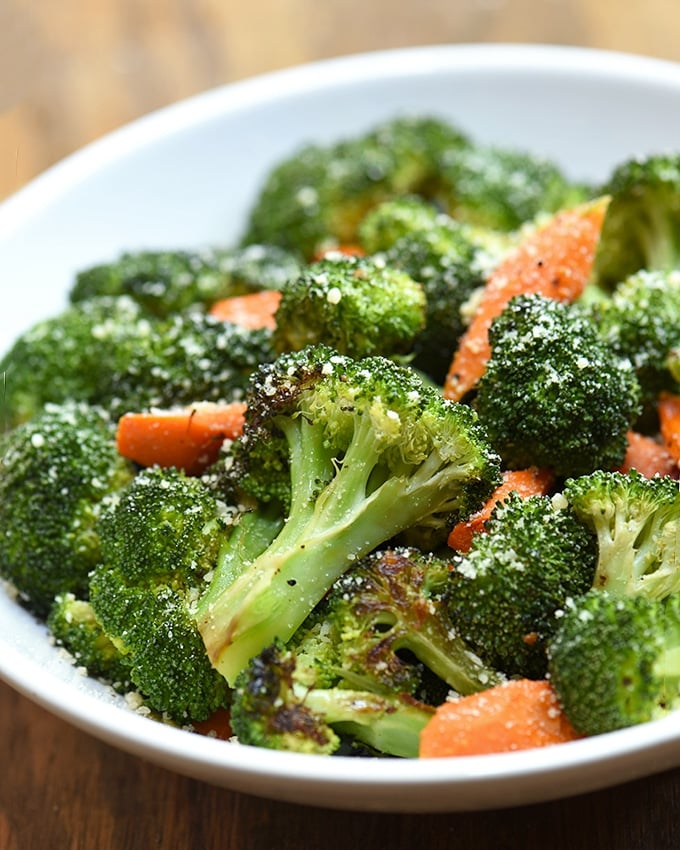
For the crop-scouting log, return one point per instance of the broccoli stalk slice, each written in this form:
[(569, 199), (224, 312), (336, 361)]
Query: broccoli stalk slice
[(389, 724), (667, 667), (250, 535), (659, 238), (324, 534)]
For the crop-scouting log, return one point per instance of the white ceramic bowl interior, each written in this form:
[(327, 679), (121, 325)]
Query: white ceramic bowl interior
[(186, 176)]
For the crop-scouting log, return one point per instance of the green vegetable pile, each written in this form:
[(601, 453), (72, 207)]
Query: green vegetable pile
[(306, 580)]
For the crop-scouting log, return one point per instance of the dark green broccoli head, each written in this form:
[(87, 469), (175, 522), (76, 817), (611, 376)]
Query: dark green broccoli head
[(158, 543), (509, 590), (357, 306), (448, 266), (57, 474), (502, 188), (553, 393), (188, 357), (388, 622), (167, 282), (641, 321), (319, 196), (642, 227), (636, 521), (613, 661), (106, 351), (68, 356), (73, 625)]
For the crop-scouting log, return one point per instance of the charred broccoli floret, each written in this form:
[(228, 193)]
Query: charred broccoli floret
[(318, 196), (58, 473), (159, 541), (509, 590), (636, 521), (278, 705), (167, 282), (385, 625), (553, 393), (357, 306), (642, 227), (614, 661), (354, 452)]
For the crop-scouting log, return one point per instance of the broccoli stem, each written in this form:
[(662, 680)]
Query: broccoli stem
[(390, 725), (324, 534)]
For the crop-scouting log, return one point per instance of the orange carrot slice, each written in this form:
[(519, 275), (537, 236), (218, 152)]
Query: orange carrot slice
[(555, 261), (520, 714), (347, 249), (669, 423), (527, 482), (650, 457), (189, 438), (255, 310), (218, 725)]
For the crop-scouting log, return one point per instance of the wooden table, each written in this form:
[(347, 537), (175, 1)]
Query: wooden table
[(71, 71)]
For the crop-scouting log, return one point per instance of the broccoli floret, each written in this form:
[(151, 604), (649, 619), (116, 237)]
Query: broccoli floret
[(354, 451), (385, 621), (159, 542), (107, 352), (502, 188), (277, 705), (58, 473), (319, 196), (357, 306), (636, 521), (167, 282), (188, 357), (408, 215), (68, 356), (642, 227), (509, 590), (448, 266), (74, 626), (392, 219), (614, 661), (553, 393), (641, 321)]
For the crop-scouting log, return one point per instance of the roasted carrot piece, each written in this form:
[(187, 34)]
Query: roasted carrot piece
[(255, 310), (554, 260), (527, 482), (649, 456), (348, 249), (218, 725), (520, 714), (669, 423), (189, 438)]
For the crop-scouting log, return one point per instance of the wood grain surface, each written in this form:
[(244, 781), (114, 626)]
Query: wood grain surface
[(73, 70)]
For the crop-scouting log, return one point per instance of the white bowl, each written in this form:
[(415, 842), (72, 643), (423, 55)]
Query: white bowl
[(186, 176)]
